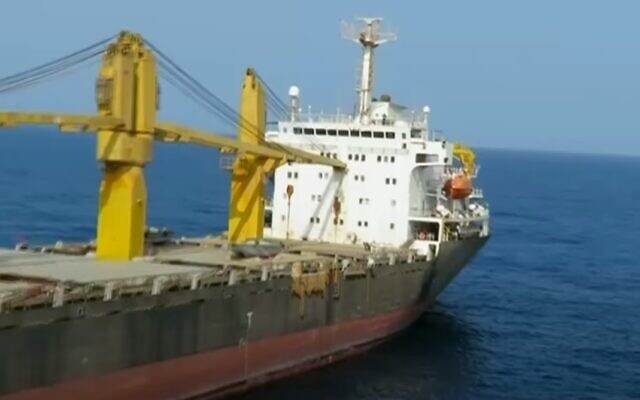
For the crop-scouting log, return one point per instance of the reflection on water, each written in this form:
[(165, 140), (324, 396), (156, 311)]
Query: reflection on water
[(434, 359)]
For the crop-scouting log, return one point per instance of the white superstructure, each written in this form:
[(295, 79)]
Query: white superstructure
[(391, 193)]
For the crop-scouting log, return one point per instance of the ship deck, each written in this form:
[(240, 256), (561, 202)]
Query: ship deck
[(49, 275)]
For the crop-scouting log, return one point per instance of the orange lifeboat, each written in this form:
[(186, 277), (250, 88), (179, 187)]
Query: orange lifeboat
[(458, 187)]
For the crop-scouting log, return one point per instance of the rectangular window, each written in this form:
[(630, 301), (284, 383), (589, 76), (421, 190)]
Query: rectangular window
[(308, 131), (297, 131), (363, 157), (366, 133), (321, 131), (415, 134), (426, 158), (390, 135), (343, 132), (378, 135), (332, 132), (355, 133), (350, 156)]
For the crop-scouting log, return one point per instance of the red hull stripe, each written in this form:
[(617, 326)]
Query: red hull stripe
[(233, 368)]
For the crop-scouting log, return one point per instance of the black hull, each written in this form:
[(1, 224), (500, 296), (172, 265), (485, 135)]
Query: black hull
[(45, 347)]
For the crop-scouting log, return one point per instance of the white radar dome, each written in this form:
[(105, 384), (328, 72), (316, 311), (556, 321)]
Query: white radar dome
[(426, 109), (294, 91)]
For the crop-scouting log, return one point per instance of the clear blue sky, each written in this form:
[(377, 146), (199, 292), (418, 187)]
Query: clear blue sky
[(546, 74)]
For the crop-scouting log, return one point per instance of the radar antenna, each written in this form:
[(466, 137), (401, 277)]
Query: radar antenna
[(366, 31)]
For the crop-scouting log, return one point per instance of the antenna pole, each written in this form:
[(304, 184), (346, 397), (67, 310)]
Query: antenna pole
[(367, 33)]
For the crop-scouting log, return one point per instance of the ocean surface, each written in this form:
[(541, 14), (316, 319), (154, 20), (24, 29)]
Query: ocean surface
[(550, 308)]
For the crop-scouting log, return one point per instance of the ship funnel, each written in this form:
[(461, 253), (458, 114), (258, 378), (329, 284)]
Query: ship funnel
[(366, 32), (294, 103)]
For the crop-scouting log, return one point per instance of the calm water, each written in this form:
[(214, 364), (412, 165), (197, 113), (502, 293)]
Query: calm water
[(550, 309)]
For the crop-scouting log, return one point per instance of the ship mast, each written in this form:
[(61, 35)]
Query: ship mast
[(366, 31)]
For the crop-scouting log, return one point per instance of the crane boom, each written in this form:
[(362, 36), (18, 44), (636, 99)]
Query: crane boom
[(467, 157), (66, 122), (126, 126), (175, 133)]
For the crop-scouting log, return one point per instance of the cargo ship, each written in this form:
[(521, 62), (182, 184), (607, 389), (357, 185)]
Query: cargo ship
[(355, 243)]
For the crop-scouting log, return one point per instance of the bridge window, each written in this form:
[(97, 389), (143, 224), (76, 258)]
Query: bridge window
[(366, 134), (392, 225), (350, 156), (357, 157), (355, 133), (378, 135), (415, 134), (390, 135), (386, 158), (343, 132), (321, 131), (362, 158), (297, 131), (404, 135), (426, 158), (379, 158), (308, 131), (394, 181), (366, 223), (393, 159), (331, 132)]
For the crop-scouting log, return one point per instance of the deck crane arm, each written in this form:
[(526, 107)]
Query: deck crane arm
[(65, 122), (167, 132), (126, 126), (175, 133), (467, 157)]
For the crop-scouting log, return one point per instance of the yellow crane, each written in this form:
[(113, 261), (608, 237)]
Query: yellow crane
[(126, 125), (467, 158)]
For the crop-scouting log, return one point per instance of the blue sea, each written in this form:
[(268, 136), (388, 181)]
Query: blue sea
[(550, 308)]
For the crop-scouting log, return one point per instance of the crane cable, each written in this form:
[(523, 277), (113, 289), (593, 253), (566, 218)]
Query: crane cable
[(52, 68), (194, 89)]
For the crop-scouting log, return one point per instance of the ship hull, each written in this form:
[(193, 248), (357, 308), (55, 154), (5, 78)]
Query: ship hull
[(219, 341)]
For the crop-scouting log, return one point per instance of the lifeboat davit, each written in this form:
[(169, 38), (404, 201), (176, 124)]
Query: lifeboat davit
[(458, 187)]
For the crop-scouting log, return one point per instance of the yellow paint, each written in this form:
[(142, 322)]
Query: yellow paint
[(246, 205), (126, 89), (121, 213), (127, 98), (467, 157)]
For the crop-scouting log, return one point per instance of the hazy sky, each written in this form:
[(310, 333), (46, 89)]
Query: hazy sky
[(545, 74)]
